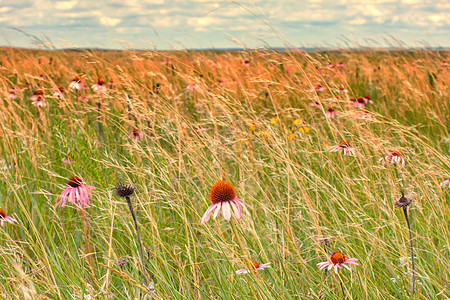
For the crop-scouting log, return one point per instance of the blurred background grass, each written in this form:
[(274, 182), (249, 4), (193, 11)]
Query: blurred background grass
[(299, 190)]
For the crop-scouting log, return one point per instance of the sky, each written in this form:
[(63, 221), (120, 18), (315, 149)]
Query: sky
[(200, 24)]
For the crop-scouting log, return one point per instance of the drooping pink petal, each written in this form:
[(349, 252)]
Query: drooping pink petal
[(242, 271), (237, 212), (208, 213), (217, 210), (226, 208)]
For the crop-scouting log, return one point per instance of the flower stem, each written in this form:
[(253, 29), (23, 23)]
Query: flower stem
[(138, 234), (342, 287), (87, 235), (405, 211)]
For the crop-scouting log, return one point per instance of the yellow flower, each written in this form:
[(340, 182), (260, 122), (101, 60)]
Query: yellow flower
[(297, 121), (252, 127), (304, 129), (244, 141), (291, 136), (274, 120), (264, 133)]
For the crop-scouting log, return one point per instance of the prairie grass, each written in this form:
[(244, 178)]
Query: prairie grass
[(300, 191)]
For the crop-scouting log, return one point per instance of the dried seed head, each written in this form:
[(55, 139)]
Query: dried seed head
[(124, 190), (75, 181), (337, 258), (221, 191), (2, 213), (122, 262), (403, 201)]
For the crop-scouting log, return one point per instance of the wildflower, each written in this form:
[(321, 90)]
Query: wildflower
[(330, 65), (336, 260), (342, 90), (394, 158), (291, 136), (77, 193), (136, 134), (166, 63), (340, 65), (403, 201), (252, 127), (221, 82), (4, 217), (99, 87), (12, 94), (318, 88), (263, 134), (246, 63), (445, 182), (359, 103), (331, 112), (59, 93), (191, 87), (254, 266), (274, 120), (199, 129), (111, 83), (303, 129), (76, 84), (364, 114), (65, 161), (38, 99), (122, 262), (315, 104), (298, 121), (223, 197), (124, 191), (344, 147)]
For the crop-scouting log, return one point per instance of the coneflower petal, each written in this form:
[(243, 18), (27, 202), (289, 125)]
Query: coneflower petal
[(207, 214), (217, 210), (237, 212), (226, 208)]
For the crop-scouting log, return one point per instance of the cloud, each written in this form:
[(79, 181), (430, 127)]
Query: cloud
[(107, 21), (65, 5)]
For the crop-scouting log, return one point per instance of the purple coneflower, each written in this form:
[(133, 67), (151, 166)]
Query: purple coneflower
[(199, 129), (166, 62), (344, 147), (394, 158), (65, 161), (364, 114), (4, 218), (223, 197), (445, 182), (38, 99), (318, 88), (341, 90), (59, 93), (99, 87), (246, 63), (331, 113), (336, 260), (12, 94), (77, 193), (340, 65), (330, 65), (111, 83), (254, 267), (315, 104), (136, 134), (76, 83)]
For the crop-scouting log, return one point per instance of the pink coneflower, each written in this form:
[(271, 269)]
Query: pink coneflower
[(331, 113), (364, 114), (111, 83), (166, 62), (65, 161), (336, 260), (76, 84), (199, 129), (318, 88), (12, 94), (220, 82), (59, 93), (445, 182), (246, 63), (359, 103), (223, 197), (99, 87), (191, 87), (394, 158), (38, 99), (136, 134), (4, 218), (315, 104), (77, 193), (254, 267), (344, 147), (340, 65), (341, 90), (330, 65), (367, 100)]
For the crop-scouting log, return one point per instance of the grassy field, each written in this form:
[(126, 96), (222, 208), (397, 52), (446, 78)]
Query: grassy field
[(175, 123)]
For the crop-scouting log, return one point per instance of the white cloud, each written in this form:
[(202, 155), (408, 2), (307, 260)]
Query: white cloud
[(107, 21), (65, 5)]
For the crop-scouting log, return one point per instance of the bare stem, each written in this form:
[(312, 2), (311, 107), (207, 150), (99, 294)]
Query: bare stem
[(138, 234), (87, 236), (342, 287), (405, 211)]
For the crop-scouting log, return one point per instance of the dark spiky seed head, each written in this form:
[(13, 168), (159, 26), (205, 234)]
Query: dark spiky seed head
[(124, 190), (403, 201)]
